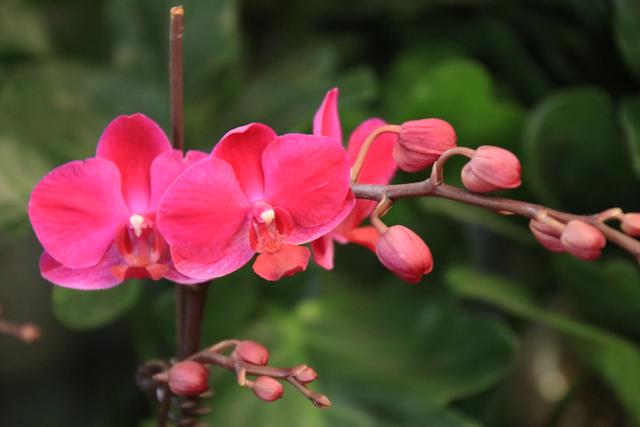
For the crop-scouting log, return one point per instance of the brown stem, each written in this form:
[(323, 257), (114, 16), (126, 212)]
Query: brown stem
[(189, 299), (176, 30), (427, 188)]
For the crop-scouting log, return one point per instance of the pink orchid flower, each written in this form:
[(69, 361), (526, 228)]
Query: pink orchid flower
[(256, 193), (378, 168), (96, 219)]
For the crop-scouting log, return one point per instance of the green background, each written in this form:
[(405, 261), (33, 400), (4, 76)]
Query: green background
[(502, 333)]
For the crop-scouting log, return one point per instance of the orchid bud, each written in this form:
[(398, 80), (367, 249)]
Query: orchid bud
[(490, 169), (404, 253), (188, 378), (268, 389), (306, 376), (546, 235), (582, 240), (421, 142), (631, 224), (251, 352)]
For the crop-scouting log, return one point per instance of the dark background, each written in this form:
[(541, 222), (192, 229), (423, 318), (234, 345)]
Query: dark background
[(502, 333)]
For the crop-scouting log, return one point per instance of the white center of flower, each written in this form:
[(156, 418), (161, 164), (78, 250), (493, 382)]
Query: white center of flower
[(268, 216), (136, 222)]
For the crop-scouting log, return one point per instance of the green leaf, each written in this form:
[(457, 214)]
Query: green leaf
[(22, 30), (627, 31), (630, 118), (572, 143), (460, 91), (345, 335), (616, 359), (83, 310), (364, 364), (55, 112), (607, 293)]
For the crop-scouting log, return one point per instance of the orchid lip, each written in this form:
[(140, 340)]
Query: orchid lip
[(270, 227)]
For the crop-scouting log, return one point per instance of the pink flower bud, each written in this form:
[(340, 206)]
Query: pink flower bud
[(267, 389), (251, 352), (490, 169), (188, 378), (29, 332), (306, 376), (404, 253), (631, 224), (583, 240), (421, 142), (546, 235)]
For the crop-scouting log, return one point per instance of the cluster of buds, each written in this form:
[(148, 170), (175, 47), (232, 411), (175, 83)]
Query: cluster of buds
[(579, 237), (428, 143), (248, 358)]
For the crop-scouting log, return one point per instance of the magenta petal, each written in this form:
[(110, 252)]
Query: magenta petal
[(76, 209), (379, 165), (323, 249), (132, 142), (287, 261), (203, 216), (308, 176), (242, 148), (301, 235), (165, 169), (87, 279), (326, 121), (366, 236), (175, 276)]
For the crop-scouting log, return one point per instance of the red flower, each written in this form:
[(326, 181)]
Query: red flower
[(257, 192), (378, 168), (96, 219)]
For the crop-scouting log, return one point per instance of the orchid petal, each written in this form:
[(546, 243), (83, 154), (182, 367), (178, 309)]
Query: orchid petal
[(287, 261), (323, 249), (96, 277), (166, 168), (203, 216), (301, 235), (379, 165), (366, 236), (306, 175), (242, 148), (76, 209), (326, 121), (177, 277), (132, 142)]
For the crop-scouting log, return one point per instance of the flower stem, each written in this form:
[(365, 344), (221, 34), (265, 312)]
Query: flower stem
[(176, 30), (427, 188), (357, 165), (189, 299)]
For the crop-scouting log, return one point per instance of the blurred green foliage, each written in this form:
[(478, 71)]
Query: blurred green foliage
[(501, 334)]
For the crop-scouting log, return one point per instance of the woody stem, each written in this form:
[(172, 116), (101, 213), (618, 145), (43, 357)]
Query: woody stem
[(427, 188), (189, 299)]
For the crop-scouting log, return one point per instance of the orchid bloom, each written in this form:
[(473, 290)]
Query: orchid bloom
[(378, 168), (257, 193), (96, 219)]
